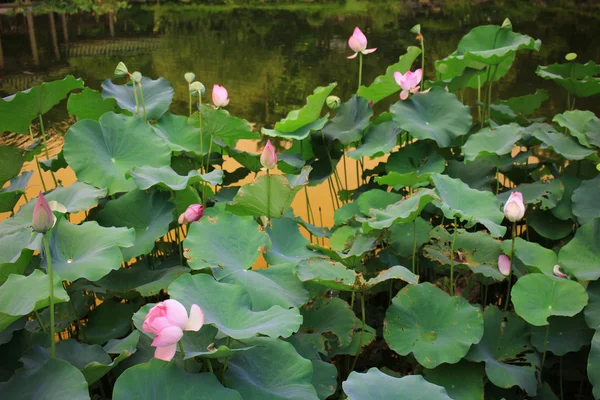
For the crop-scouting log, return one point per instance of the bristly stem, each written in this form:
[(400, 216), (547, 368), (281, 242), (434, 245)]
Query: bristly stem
[(414, 253), (46, 147), (268, 194), (39, 321), (452, 259), (182, 355), (228, 344), (360, 66), (46, 240), (190, 100), (512, 255), (422, 62), (37, 162), (360, 341), (143, 100), (135, 96)]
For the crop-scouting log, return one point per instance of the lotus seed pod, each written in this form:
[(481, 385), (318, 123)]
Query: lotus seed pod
[(197, 87), (136, 76), (189, 77), (121, 71), (333, 102), (571, 56)]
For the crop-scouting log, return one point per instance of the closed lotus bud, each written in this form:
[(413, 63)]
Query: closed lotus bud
[(121, 71), (268, 158), (197, 88), (136, 76), (43, 219), (193, 213), (504, 265), (189, 77), (558, 272), (333, 102), (220, 97), (514, 209)]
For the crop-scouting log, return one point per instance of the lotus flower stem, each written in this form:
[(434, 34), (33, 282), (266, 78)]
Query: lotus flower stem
[(322, 225), (37, 163), (46, 240), (414, 253), (545, 348), (206, 170), (39, 321), (228, 344), (308, 211), (268, 194), (422, 61), (360, 340), (190, 100), (201, 135), (452, 259), (143, 100), (360, 66), (329, 185), (497, 176), (210, 367), (46, 147), (180, 344), (135, 96), (512, 254), (479, 100), (345, 170)]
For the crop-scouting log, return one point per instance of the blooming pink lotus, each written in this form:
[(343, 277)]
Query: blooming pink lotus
[(220, 97), (167, 320), (43, 219), (514, 209), (268, 158), (409, 82), (504, 265), (193, 213), (358, 43)]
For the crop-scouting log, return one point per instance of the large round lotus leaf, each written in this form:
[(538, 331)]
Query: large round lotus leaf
[(385, 85), (11, 162), (102, 153), (271, 370), (225, 243), (149, 213), (592, 310), (575, 121), (462, 381), (566, 334), (183, 133), (77, 196), (403, 211), (158, 380), (506, 351), (437, 115), (593, 365), (581, 256), (126, 345), (219, 124), (492, 142), (395, 272), (14, 259), (402, 236), (585, 204), (478, 251), (55, 379), (158, 95), (229, 308), (537, 297), (442, 334), (566, 146), (490, 44), (564, 208), (546, 194), (477, 174), (10, 195), (350, 121), (165, 177), (376, 199), (375, 385), (17, 111), (300, 133), (457, 199), (457, 72), (204, 344), (578, 79), (379, 140), (87, 250), (110, 320), (534, 256), (328, 273), (547, 225), (525, 105), (20, 295), (288, 244), (89, 104)]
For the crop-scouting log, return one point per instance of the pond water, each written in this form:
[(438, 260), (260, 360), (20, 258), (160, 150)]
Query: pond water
[(271, 58)]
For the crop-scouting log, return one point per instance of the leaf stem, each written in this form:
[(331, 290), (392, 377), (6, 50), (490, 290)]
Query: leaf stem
[(422, 62), (512, 254), (545, 348), (135, 96), (37, 162), (360, 341), (143, 100), (360, 67), (39, 321), (46, 240), (452, 259), (228, 343), (414, 252), (182, 355), (46, 146)]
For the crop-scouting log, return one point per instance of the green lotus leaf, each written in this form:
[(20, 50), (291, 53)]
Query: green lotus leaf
[(457, 72), (385, 85), (592, 310), (376, 200), (420, 158), (329, 273), (537, 297), (160, 380), (441, 335), (578, 79), (358, 343), (581, 256), (251, 160), (219, 124), (525, 105), (11, 162), (566, 146), (349, 123), (375, 385), (300, 133), (126, 345), (437, 115), (403, 211), (478, 251), (584, 198), (229, 308), (398, 181), (14, 258), (592, 131), (164, 177), (535, 257), (102, 153), (182, 133), (9, 332), (576, 121), (565, 335), (395, 272), (547, 225), (489, 142), (54, 379), (10, 195), (89, 104), (287, 243), (546, 194), (462, 381), (457, 199), (17, 111), (564, 208), (252, 198), (158, 95), (55, 163), (225, 243), (65, 313), (204, 344), (77, 196), (506, 351), (593, 365), (477, 174), (273, 369), (379, 140), (402, 236), (491, 44), (110, 320)]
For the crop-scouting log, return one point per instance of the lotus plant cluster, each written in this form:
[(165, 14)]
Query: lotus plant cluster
[(462, 260)]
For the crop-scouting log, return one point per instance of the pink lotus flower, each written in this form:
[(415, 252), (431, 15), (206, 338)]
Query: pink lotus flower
[(43, 219), (358, 43), (514, 209), (219, 96), (167, 320), (558, 272), (504, 265), (268, 158), (409, 82), (193, 213)]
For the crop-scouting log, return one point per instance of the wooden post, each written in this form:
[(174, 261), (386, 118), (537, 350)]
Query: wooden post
[(31, 29), (53, 35), (63, 20), (111, 24)]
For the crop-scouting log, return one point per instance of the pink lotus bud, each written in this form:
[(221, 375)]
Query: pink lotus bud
[(43, 219), (558, 272), (514, 209), (504, 265), (219, 96), (167, 320), (358, 43), (268, 158), (409, 82), (193, 213)]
